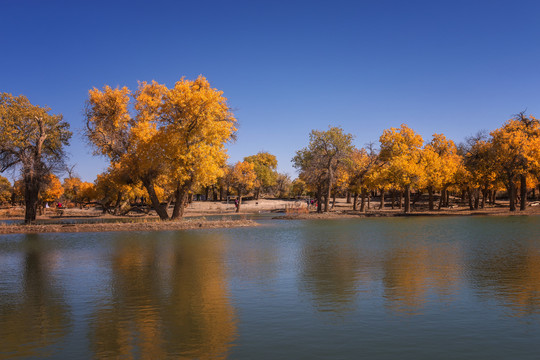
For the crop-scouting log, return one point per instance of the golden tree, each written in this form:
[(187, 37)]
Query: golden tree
[(177, 136), (33, 140), (400, 151), (53, 189), (439, 162), (5, 190), (244, 178), (517, 149)]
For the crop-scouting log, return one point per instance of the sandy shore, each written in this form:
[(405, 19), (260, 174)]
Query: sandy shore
[(295, 210)]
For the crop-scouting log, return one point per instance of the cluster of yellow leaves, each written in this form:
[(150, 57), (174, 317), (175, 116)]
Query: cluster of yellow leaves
[(5, 190), (53, 189), (400, 155), (244, 176)]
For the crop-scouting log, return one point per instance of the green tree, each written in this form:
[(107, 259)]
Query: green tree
[(318, 163), (265, 165)]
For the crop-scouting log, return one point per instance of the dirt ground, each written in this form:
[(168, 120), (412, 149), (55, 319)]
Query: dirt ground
[(294, 209)]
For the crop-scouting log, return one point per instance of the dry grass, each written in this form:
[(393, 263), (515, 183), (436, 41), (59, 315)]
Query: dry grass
[(135, 226)]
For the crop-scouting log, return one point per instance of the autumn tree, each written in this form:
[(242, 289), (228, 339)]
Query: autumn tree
[(319, 161), (5, 190), (517, 149), (33, 140), (53, 189), (298, 187), (243, 178), (265, 165), (282, 188), (72, 186), (439, 163), (400, 150), (359, 168), (175, 135)]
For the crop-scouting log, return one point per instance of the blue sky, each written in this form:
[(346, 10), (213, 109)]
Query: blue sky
[(287, 67)]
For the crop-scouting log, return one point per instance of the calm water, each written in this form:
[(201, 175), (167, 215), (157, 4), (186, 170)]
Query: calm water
[(396, 288)]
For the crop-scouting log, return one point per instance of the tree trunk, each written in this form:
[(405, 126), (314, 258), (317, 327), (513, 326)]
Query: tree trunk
[(400, 200), (160, 210), (523, 203), (239, 201), (407, 199), (512, 195), (381, 207), (355, 201), (430, 198), (31, 196), (442, 198), (348, 197), (471, 204), (319, 201), (328, 192), (393, 199), (181, 197), (484, 197), (334, 200), (476, 198), (369, 200), (363, 203)]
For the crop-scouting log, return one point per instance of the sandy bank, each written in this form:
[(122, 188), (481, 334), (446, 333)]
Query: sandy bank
[(138, 226)]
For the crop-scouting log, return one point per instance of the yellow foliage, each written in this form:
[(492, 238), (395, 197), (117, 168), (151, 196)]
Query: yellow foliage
[(5, 190), (53, 189), (244, 176)]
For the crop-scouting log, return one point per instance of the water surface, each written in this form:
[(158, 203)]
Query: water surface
[(387, 288)]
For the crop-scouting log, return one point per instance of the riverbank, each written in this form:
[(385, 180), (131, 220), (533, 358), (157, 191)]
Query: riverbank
[(463, 211), (185, 224)]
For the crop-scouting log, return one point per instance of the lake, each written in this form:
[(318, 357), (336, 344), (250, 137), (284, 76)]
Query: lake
[(374, 288)]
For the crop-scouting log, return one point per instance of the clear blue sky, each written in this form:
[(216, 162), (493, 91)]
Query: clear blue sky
[(287, 67)]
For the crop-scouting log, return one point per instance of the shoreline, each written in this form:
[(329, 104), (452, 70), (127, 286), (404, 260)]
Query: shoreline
[(185, 224)]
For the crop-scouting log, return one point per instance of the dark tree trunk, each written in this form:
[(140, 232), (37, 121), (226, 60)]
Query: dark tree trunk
[(484, 197), (523, 192), (334, 200), (430, 198), (471, 203), (407, 199), (512, 195), (442, 198), (239, 201), (328, 192), (355, 201), (31, 196), (369, 200), (400, 200), (363, 203), (476, 198), (348, 197), (319, 201), (381, 207), (160, 210), (180, 200)]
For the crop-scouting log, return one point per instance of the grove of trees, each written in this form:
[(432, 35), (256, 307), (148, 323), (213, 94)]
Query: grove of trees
[(166, 144)]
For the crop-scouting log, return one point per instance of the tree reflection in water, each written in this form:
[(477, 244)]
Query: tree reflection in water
[(171, 301), (510, 274), (35, 316)]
